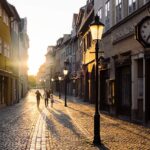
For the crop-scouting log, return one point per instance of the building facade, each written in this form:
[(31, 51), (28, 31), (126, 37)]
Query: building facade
[(49, 66), (23, 58), (9, 54), (124, 82), (88, 52), (124, 75), (5, 54)]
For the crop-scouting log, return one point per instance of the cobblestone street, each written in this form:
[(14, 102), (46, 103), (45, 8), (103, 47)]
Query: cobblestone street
[(24, 126)]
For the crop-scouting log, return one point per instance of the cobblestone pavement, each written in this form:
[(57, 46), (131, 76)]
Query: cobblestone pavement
[(25, 127), (17, 123), (115, 134)]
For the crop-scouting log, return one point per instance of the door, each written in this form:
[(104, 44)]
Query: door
[(104, 94), (147, 90), (123, 92)]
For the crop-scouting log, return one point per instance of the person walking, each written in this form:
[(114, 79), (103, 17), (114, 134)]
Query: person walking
[(51, 99), (46, 96), (38, 96)]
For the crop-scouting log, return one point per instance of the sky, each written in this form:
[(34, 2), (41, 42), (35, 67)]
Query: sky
[(47, 21)]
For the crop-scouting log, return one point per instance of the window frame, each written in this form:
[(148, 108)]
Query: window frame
[(99, 13), (118, 10), (132, 6), (6, 50), (107, 14)]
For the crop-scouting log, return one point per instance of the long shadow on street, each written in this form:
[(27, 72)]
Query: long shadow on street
[(83, 113), (65, 120), (50, 125)]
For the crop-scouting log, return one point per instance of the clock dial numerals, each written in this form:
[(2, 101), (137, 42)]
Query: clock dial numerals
[(145, 31)]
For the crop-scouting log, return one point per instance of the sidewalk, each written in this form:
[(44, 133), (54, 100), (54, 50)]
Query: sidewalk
[(115, 134)]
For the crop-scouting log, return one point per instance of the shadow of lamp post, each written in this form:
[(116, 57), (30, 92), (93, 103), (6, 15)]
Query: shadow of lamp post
[(96, 28), (59, 78)]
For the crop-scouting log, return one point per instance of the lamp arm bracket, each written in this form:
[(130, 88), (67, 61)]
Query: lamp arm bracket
[(95, 52)]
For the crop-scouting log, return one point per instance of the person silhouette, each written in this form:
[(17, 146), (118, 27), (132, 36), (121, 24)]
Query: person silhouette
[(51, 99), (38, 96), (46, 96)]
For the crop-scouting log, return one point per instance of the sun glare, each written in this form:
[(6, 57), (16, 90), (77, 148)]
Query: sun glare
[(34, 63)]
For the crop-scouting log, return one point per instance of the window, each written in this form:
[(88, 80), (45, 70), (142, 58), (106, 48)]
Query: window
[(100, 13), (0, 45), (132, 6), (118, 10), (107, 8), (89, 40), (107, 15), (84, 44), (6, 50), (15, 27), (5, 18)]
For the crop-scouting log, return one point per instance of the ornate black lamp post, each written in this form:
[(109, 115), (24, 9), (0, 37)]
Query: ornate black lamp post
[(96, 28), (59, 78)]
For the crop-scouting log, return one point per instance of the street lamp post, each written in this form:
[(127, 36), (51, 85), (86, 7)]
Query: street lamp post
[(59, 78), (52, 79), (65, 71), (96, 28)]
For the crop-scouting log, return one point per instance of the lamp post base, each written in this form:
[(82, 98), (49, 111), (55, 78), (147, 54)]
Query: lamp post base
[(97, 139)]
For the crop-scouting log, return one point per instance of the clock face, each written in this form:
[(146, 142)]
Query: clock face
[(145, 31)]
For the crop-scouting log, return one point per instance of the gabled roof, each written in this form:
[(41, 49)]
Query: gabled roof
[(86, 22), (14, 12), (5, 5), (80, 15)]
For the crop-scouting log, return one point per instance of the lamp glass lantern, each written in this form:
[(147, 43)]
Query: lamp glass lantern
[(52, 79), (59, 78), (65, 71), (96, 28)]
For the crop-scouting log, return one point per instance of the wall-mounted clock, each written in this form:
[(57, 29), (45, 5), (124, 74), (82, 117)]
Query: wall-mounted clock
[(143, 31)]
